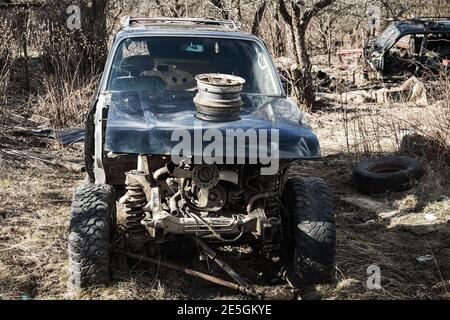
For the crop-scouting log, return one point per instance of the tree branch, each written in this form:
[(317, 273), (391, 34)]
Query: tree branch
[(316, 8), (284, 12), (219, 5)]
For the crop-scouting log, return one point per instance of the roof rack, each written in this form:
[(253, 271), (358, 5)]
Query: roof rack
[(433, 18), (429, 19), (22, 3), (206, 22)]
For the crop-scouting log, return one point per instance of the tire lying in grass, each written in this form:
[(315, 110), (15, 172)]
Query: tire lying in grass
[(92, 227), (310, 231), (387, 174)]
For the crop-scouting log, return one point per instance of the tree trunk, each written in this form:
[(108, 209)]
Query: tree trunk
[(306, 81), (96, 32), (298, 22), (258, 17), (302, 74), (239, 10)]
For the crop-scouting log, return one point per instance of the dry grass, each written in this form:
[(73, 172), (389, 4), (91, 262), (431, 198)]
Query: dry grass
[(33, 231), (393, 245), (421, 229), (34, 216)]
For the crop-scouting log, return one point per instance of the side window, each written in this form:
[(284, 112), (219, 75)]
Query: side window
[(404, 47), (131, 61), (128, 48), (261, 69), (439, 45), (404, 42)]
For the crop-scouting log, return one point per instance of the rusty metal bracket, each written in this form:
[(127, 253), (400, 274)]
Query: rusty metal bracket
[(225, 267), (194, 273)]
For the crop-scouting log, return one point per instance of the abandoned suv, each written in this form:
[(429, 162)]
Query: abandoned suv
[(192, 134)]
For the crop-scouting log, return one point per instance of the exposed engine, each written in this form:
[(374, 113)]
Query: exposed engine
[(217, 202)]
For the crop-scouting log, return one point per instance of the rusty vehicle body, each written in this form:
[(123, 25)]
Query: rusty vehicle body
[(410, 47), (145, 97)]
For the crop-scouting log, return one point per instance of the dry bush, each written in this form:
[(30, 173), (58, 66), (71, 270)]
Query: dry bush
[(378, 129), (432, 125), (6, 62), (64, 49), (65, 63), (72, 60), (371, 132), (374, 132), (66, 99)]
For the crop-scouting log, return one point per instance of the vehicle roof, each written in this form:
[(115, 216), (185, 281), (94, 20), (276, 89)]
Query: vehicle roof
[(423, 25), (399, 28), (183, 27)]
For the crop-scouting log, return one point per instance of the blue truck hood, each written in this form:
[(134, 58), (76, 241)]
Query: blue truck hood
[(139, 123)]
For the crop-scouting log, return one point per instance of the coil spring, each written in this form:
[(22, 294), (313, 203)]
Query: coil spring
[(134, 213)]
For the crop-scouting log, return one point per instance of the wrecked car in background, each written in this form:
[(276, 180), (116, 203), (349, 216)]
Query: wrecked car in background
[(410, 47)]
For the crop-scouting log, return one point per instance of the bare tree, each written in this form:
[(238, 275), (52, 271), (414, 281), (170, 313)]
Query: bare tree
[(324, 28), (219, 4), (297, 20), (395, 11)]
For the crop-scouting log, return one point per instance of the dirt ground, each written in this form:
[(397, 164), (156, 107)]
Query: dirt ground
[(34, 216)]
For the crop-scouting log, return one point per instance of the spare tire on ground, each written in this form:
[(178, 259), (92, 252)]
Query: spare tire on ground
[(393, 173)]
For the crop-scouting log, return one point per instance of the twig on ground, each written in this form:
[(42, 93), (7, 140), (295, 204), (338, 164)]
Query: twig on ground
[(437, 266), (73, 167)]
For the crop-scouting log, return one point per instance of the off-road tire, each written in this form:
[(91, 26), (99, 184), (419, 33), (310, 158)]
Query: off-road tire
[(92, 227), (386, 174), (311, 230)]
